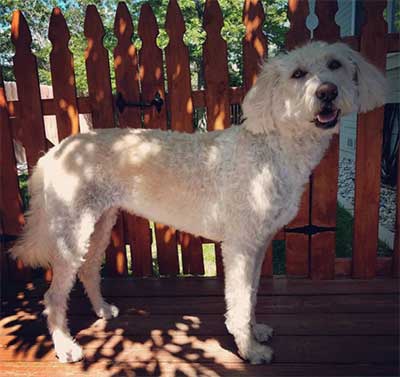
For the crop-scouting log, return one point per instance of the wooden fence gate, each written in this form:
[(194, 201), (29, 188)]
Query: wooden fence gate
[(309, 239)]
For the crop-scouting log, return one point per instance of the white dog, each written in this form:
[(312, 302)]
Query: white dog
[(243, 185)]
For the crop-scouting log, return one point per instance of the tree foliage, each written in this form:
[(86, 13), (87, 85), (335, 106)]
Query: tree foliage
[(38, 13)]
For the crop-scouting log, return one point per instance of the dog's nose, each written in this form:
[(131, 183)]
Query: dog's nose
[(327, 92)]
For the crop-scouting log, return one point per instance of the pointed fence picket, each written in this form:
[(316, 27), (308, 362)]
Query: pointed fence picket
[(30, 121), (325, 176), (12, 216), (369, 151), (137, 229), (298, 244), (63, 77), (27, 79), (181, 112), (217, 94), (139, 76), (254, 52), (152, 82), (298, 32), (101, 100), (215, 60), (254, 41)]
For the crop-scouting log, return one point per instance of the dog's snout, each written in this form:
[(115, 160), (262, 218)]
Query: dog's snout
[(327, 92)]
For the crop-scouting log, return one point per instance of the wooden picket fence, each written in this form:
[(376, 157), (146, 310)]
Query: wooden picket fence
[(309, 238)]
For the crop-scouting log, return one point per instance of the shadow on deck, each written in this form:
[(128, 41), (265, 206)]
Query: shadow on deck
[(175, 327)]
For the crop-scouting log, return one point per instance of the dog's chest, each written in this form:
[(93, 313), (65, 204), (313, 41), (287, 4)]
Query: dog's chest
[(274, 193)]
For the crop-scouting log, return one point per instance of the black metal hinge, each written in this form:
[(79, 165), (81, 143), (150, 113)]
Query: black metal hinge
[(310, 229), (121, 103)]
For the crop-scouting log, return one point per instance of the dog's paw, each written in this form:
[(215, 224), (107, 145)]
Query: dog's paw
[(257, 353), (107, 311), (262, 332), (68, 351)]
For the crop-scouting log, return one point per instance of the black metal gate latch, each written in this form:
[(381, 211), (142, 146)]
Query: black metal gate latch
[(121, 103)]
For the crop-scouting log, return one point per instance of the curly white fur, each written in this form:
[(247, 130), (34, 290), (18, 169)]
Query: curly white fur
[(238, 186)]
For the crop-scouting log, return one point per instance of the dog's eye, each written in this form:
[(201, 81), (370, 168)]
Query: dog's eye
[(334, 64), (298, 74)]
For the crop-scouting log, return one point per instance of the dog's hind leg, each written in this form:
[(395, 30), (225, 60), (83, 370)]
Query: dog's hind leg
[(240, 267), (72, 234), (55, 299), (89, 272)]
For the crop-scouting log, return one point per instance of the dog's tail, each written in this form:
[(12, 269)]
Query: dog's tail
[(34, 246)]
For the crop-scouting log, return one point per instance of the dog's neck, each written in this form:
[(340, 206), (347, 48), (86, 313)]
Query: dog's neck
[(303, 145)]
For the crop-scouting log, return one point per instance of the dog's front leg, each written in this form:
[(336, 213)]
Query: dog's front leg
[(240, 266), (261, 331)]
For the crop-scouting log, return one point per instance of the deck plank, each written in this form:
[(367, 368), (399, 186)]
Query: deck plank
[(368, 303), (321, 328), (105, 369), (206, 287), (176, 346), (206, 324)]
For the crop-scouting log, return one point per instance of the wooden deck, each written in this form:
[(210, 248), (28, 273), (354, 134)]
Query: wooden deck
[(175, 327)]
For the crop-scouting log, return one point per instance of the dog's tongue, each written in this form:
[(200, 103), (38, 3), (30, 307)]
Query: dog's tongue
[(325, 118)]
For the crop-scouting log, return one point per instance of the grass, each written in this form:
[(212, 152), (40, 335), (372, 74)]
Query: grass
[(23, 186), (344, 233), (344, 236), (278, 257)]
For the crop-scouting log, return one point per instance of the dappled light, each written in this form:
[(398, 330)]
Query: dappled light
[(219, 123), (259, 47), (169, 233), (142, 71), (15, 25), (62, 103), (74, 119), (139, 341), (122, 26), (132, 50), (185, 239), (189, 106), (88, 51), (158, 73), (3, 102), (251, 25), (176, 328), (293, 5), (117, 61), (57, 11), (119, 252), (100, 95), (177, 72)]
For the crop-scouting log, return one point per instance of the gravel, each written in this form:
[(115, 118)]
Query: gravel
[(387, 210)]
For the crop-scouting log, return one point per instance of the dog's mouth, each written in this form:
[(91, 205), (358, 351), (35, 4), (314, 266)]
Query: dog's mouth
[(327, 117)]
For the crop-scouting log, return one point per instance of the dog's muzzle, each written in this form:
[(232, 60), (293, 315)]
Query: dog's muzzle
[(329, 114)]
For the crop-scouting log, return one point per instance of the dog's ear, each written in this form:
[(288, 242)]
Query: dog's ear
[(372, 84), (258, 102)]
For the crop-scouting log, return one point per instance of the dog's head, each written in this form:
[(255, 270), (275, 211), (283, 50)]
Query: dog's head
[(313, 86)]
